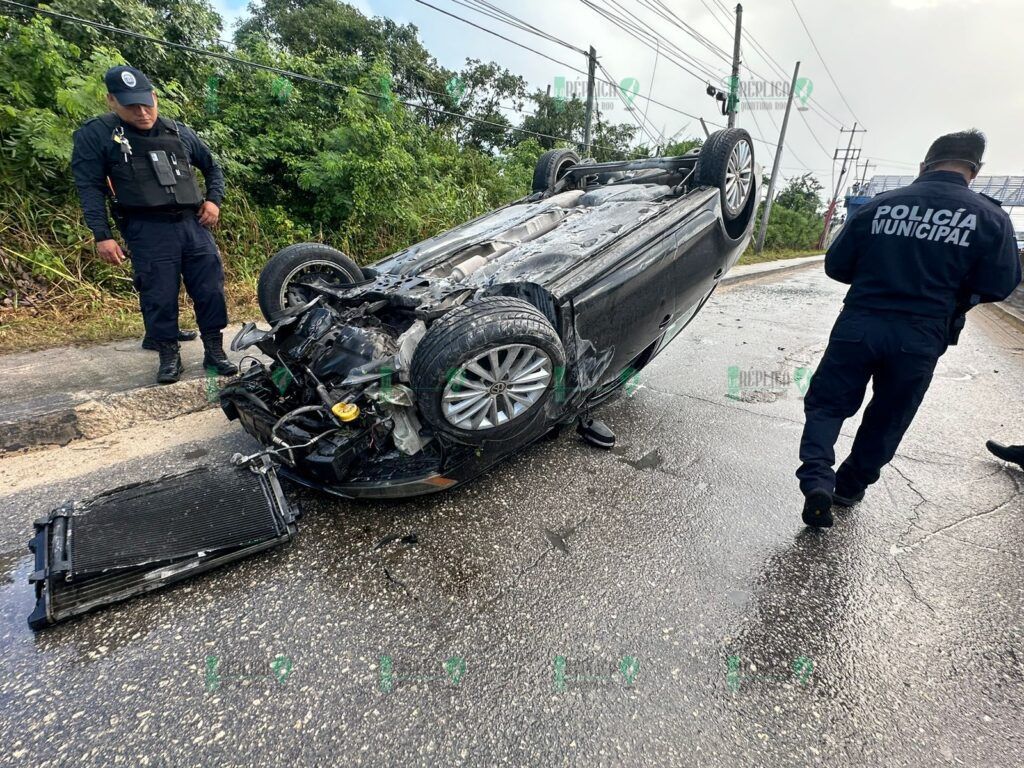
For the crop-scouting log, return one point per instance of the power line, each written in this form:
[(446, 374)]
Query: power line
[(666, 14), (624, 23), (785, 77), (827, 117), (319, 81), (789, 148), (503, 37), (631, 28), (283, 72), (557, 61), (831, 120), (714, 16), (822, 59), (654, 71), (670, 16), (498, 14), (629, 109)]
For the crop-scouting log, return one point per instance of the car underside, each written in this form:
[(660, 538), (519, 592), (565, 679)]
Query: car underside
[(428, 367)]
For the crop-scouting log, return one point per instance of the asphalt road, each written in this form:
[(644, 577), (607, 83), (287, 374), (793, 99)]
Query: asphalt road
[(659, 604)]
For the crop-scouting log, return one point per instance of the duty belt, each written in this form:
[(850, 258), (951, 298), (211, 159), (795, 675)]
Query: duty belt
[(144, 215)]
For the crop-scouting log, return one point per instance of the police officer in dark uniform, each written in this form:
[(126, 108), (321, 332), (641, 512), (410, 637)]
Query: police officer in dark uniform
[(916, 260), (145, 164)]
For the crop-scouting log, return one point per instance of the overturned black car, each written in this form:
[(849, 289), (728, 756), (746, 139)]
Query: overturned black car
[(423, 370)]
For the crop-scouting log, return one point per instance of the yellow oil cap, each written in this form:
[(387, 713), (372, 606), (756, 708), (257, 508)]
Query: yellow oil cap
[(346, 411)]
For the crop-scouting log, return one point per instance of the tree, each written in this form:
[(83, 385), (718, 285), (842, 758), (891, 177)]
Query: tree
[(190, 22), (477, 91), (560, 120), (801, 194), (796, 220), (674, 149)]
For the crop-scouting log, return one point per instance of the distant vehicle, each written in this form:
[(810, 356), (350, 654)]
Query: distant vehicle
[(425, 369)]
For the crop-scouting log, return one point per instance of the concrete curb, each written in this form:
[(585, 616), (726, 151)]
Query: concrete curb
[(750, 272), (100, 416), (1008, 314)]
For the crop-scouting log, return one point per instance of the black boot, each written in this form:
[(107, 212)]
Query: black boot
[(148, 343), (1011, 453), (847, 495), (818, 509), (214, 357), (170, 363)]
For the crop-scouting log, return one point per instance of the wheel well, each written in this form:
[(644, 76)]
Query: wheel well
[(738, 226), (532, 293)]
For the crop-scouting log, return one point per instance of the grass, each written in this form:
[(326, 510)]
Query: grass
[(99, 320), (749, 257)]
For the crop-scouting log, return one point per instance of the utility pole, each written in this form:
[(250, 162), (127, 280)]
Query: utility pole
[(775, 166), (864, 175), (734, 81), (591, 67), (847, 156)]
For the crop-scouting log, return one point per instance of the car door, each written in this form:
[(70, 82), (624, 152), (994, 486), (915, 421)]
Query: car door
[(640, 295)]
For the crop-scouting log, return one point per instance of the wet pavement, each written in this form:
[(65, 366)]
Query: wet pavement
[(660, 604)]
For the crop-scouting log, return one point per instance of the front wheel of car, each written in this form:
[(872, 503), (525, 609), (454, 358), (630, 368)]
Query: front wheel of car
[(726, 161), (280, 283), (488, 371)]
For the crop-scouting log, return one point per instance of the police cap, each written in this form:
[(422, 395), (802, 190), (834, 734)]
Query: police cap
[(129, 86)]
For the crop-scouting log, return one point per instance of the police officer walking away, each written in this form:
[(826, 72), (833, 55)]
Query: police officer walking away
[(916, 259), (145, 164)]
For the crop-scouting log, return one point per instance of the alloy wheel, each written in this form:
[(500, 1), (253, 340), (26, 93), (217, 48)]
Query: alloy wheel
[(496, 387)]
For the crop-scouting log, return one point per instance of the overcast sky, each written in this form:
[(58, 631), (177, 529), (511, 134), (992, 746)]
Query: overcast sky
[(910, 69)]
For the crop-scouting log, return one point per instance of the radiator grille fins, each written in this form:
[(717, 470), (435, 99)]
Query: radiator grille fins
[(140, 537)]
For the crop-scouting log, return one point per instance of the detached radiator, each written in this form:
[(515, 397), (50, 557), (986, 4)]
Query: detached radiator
[(145, 536)]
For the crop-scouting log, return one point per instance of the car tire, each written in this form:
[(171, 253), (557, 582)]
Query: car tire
[(551, 166), (726, 161), (480, 337), (274, 290)]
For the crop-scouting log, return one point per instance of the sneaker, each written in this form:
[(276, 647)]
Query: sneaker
[(818, 509)]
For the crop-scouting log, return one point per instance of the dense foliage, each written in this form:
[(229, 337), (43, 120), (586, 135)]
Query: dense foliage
[(376, 160), (796, 221)]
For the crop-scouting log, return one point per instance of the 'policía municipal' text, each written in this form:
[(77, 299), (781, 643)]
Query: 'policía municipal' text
[(941, 225)]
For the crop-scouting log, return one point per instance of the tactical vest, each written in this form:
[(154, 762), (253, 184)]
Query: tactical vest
[(133, 176)]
